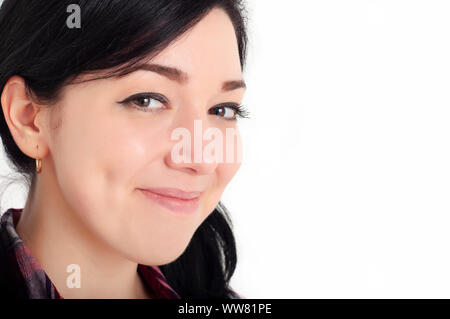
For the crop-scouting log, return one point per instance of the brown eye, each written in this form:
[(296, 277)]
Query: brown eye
[(145, 102), (142, 101), (224, 111), (229, 111)]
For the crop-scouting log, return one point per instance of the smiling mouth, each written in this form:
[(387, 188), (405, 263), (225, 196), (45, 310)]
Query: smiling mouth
[(174, 192), (175, 200)]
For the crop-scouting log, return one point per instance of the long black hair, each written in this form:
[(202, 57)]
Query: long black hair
[(116, 35)]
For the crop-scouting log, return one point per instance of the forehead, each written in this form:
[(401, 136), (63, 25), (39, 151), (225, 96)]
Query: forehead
[(206, 53), (208, 49)]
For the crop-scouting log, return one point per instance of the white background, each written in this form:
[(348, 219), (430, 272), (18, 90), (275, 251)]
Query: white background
[(344, 189)]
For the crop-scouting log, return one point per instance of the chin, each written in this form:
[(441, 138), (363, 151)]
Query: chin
[(160, 255)]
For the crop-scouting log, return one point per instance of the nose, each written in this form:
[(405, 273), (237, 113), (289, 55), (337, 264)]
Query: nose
[(187, 151)]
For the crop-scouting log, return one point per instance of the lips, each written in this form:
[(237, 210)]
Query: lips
[(173, 192), (173, 199)]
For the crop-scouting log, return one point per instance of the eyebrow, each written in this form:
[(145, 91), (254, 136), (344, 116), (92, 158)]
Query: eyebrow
[(182, 77)]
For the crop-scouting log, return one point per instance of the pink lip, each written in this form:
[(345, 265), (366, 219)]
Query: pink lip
[(174, 199)]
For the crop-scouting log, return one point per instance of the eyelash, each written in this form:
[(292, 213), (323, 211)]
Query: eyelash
[(240, 110)]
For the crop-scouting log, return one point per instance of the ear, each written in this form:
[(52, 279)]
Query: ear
[(24, 117)]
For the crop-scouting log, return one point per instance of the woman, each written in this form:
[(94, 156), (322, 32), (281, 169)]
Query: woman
[(111, 212)]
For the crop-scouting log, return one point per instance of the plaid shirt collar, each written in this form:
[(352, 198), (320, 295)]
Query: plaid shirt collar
[(30, 277)]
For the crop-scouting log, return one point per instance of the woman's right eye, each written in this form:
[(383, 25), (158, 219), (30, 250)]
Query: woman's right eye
[(144, 102)]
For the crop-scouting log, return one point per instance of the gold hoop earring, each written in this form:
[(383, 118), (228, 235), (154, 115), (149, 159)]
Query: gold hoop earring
[(38, 163)]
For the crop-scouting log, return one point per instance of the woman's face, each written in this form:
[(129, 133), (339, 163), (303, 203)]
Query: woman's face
[(104, 151)]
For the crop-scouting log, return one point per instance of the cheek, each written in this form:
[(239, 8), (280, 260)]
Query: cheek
[(232, 150), (224, 173), (226, 170), (97, 159)]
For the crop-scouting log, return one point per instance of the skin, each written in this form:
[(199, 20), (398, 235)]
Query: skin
[(85, 208)]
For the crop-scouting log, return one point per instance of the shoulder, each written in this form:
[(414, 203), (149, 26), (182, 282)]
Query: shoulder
[(8, 287)]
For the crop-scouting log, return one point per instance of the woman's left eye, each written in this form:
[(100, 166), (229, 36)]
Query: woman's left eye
[(144, 102), (229, 111)]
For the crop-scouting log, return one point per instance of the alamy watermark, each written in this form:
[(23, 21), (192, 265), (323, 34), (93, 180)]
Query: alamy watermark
[(74, 19), (74, 279), (213, 151)]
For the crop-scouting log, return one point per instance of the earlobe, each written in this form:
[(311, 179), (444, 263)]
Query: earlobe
[(20, 114)]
